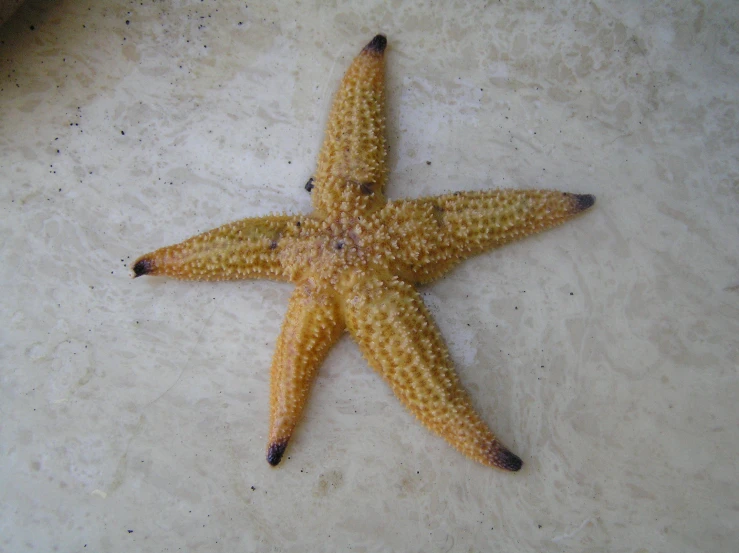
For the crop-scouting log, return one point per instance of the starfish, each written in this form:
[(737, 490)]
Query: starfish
[(356, 262)]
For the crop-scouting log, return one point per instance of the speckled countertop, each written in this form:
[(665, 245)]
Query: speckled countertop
[(135, 413)]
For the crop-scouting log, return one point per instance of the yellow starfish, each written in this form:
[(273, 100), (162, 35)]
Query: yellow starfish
[(356, 262)]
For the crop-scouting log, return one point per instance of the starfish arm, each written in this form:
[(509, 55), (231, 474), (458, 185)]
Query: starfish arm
[(249, 248), (352, 170), (401, 342), (444, 230), (312, 325)]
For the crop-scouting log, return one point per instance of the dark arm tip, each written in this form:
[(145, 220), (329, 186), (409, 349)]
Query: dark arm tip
[(143, 267), (510, 461), (502, 458), (275, 451), (377, 44), (584, 201)]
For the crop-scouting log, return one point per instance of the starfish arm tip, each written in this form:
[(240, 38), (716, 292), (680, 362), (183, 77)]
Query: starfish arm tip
[(584, 201), (143, 267), (377, 44), (275, 452), (505, 459)]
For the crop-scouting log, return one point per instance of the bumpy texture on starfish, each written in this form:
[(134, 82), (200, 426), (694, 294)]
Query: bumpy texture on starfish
[(356, 261)]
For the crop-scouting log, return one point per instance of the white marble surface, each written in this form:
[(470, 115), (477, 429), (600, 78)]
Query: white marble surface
[(134, 412)]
